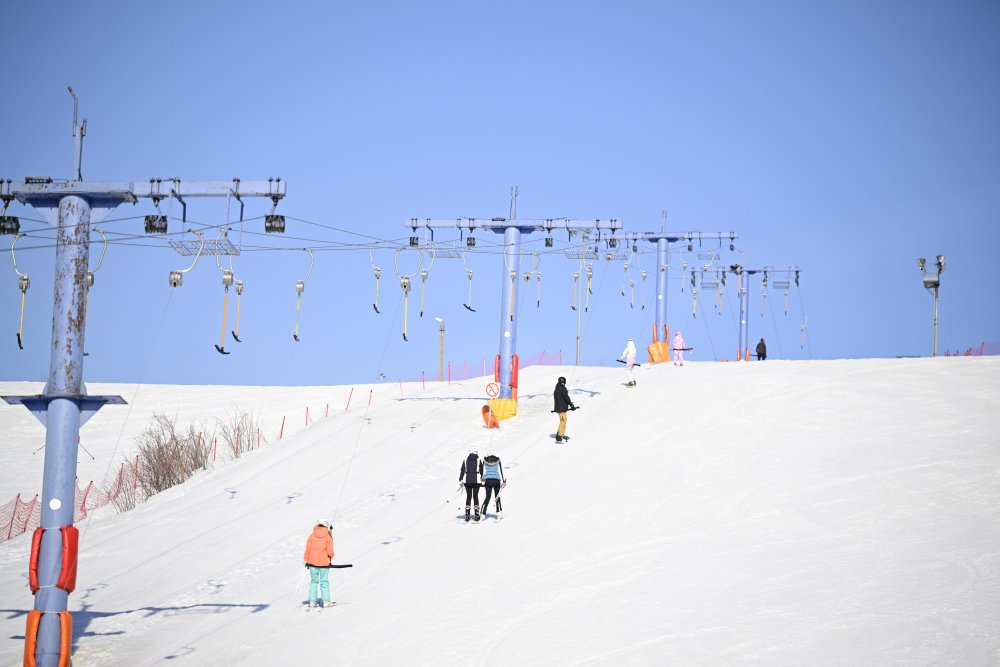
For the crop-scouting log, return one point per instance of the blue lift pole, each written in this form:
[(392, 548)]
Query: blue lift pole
[(663, 267), (508, 307)]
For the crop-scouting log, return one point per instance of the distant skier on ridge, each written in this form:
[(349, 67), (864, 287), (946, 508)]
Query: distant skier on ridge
[(628, 356), (761, 350), (679, 349)]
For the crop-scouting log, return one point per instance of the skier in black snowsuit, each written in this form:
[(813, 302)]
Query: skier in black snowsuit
[(761, 350), (563, 404), (469, 476), (491, 472)]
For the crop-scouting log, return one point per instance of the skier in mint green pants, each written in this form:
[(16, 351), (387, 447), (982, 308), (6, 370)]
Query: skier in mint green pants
[(318, 555)]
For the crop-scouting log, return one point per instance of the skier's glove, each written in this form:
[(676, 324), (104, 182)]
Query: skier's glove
[(504, 485)]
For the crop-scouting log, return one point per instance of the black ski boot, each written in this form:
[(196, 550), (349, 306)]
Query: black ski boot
[(468, 510), (477, 513)]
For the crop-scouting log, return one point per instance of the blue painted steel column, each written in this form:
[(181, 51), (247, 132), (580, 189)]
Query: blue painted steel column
[(662, 259), (63, 416), (508, 306), (744, 307)]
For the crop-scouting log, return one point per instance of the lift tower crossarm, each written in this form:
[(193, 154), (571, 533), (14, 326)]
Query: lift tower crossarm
[(525, 226), (37, 190)]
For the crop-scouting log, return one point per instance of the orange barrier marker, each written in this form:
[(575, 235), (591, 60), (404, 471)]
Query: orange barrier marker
[(489, 418)]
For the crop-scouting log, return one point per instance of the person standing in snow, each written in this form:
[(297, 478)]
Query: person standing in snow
[(762, 350), (628, 356), (679, 347), (318, 556), (491, 471), (469, 476), (563, 404)]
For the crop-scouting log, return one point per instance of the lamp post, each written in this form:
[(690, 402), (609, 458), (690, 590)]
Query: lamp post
[(440, 349), (932, 282)]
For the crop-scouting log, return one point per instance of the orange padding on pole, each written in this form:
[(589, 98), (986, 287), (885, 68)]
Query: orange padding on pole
[(496, 369), (31, 637), (513, 372), (70, 549), (655, 339), (36, 543)]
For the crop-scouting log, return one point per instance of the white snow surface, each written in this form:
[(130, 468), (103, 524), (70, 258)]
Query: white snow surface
[(776, 513)]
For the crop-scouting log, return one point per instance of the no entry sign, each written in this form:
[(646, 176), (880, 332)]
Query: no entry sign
[(492, 390)]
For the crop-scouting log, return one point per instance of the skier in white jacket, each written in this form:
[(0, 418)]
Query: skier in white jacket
[(628, 356)]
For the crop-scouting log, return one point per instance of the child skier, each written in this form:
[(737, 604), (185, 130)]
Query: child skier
[(491, 470), (628, 356), (679, 348), (562, 404), (469, 476), (318, 555)]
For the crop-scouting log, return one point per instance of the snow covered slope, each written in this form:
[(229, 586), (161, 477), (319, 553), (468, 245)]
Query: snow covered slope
[(776, 513)]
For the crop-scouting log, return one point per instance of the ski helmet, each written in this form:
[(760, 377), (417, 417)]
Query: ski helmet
[(562, 380)]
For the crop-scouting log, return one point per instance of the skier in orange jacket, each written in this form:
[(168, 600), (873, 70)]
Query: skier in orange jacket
[(318, 555)]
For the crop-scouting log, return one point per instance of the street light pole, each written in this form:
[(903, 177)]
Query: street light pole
[(932, 282)]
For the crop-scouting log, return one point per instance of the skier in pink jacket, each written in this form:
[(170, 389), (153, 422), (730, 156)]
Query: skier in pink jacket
[(679, 348)]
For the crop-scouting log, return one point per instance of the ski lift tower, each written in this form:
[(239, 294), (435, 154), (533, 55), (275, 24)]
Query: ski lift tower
[(73, 207), (505, 367), (663, 240), (743, 274)]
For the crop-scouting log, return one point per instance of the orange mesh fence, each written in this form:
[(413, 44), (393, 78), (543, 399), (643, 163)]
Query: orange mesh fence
[(18, 517)]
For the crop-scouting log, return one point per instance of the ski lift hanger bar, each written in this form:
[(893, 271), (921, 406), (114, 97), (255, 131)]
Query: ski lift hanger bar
[(39, 189)]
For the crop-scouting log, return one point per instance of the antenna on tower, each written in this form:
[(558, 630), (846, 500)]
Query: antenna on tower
[(79, 131), (513, 202)]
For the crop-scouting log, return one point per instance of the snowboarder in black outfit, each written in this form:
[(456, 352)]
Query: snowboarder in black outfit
[(563, 404), (491, 472), (761, 350), (469, 476)]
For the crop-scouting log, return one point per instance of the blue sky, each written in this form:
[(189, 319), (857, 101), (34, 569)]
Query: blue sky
[(846, 138)]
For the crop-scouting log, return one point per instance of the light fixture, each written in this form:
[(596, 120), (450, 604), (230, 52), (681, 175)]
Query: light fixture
[(274, 224), (9, 224), (414, 241), (470, 242), (156, 224)]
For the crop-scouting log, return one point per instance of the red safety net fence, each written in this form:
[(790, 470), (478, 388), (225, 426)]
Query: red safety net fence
[(18, 517), (463, 370), (982, 349)]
